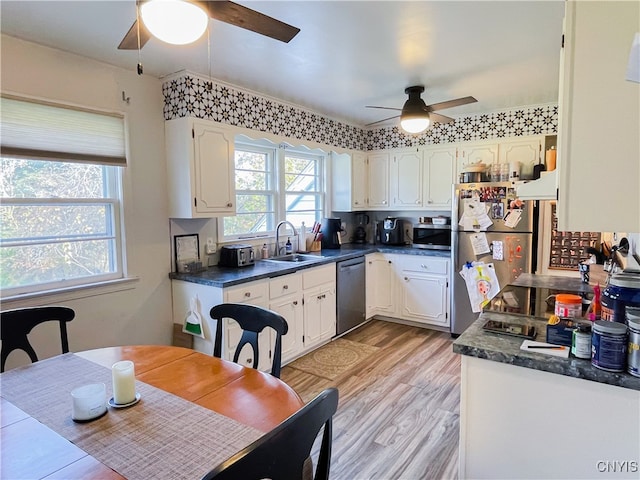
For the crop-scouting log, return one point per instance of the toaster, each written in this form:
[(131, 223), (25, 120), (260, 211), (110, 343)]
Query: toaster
[(238, 255)]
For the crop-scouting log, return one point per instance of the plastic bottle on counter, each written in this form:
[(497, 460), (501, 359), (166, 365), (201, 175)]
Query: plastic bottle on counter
[(265, 251), (288, 248), (302, 239)]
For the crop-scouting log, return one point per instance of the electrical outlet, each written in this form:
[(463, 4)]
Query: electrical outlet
[(211, 247)]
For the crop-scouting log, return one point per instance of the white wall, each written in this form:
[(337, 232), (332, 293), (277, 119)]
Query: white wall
[(140, 314)]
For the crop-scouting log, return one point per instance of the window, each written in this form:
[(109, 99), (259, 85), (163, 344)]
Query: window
[(61, 201), (274, 184)]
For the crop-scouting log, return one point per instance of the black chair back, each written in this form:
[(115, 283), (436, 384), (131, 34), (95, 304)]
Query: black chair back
[(15, 325), (252, 320), (282, 453)]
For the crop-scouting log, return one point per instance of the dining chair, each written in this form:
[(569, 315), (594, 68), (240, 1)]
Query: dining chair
[(16, 324), (253, 320), (284, 452)]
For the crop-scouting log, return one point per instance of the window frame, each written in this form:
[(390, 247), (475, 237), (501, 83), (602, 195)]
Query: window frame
[(113, 199), (278, 153)]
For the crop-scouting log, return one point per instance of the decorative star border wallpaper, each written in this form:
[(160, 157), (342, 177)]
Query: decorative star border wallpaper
[(188, 96)]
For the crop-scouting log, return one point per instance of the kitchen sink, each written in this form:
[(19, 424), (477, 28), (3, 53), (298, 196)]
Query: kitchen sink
[(295, 258)]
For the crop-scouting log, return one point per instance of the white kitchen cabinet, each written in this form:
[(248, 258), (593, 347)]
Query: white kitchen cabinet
[(405, 179), (423, 289), (319, 298), (200, 167), (380, 281), (349, 186), (481, 152), (439, 167), (378, 175), (285, 295), (599, 120), (525, 152)]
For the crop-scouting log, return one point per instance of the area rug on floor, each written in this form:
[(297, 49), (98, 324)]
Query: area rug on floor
[(335, 358)]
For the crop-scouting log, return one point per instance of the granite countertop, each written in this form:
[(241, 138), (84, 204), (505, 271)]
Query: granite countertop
[(227, 277), (554, 282), (476, 342)]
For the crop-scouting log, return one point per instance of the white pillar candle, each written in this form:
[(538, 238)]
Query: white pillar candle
[(124, 382), (89, 401)]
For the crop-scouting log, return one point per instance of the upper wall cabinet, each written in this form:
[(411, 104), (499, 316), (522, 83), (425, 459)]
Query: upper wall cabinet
[(599, 120), (200, 167), (484, 152), (525, 152), (350, 182), (406, 179), (439, 165), (379, 180)]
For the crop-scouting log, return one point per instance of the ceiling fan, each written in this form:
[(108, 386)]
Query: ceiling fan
[(223, 10), (415, 115)]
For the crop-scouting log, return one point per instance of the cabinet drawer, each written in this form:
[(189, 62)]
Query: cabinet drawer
[(424, 264), (319, 275), (252, 292), (285, 285)]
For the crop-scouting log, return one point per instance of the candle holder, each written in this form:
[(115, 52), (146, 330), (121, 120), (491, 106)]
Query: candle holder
[(124, 385)]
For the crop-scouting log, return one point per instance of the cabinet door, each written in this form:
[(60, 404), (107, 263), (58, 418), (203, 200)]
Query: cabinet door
[(477, 153), (406, 180), (439, 165), (290, 307), (526, 153), (359, 181), (380, 285), (214, 174), (598, 125), (319, 314), (424, 298), (378, 180)]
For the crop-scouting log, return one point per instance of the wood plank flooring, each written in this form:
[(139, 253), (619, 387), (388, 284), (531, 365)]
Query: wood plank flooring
[(398, 412)]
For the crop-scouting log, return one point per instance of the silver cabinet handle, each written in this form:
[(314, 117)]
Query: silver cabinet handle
[(424, 266)]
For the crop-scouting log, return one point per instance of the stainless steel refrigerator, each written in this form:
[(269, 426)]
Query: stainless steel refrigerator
[(508, 230)]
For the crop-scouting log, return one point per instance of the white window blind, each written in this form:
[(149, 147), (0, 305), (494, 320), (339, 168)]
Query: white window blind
[(49, 132)]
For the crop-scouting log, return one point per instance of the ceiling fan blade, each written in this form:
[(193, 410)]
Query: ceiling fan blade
[(383, 108), (244, 17), (450, 103), (436, 117), (130, 40), (383, 120)]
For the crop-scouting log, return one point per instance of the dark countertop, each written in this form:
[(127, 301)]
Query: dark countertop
[(475, 342), (227, 277), (570, 284)]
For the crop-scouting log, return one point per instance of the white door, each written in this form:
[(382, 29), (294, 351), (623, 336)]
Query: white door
[(379, 180), (525, 153), (406, 180), (424, 298), (486, 153), (290, 308), (439, 165), (359, 181)]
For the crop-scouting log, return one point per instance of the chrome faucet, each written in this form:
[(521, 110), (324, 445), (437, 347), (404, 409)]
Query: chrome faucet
[(278, 248)]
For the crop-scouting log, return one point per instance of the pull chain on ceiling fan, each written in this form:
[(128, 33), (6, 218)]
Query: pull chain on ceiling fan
[(416, 116)]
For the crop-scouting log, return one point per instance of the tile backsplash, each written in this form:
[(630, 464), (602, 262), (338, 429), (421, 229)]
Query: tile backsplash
[(187, 95)]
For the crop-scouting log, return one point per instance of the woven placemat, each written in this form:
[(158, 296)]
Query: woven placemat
[(163, 436)]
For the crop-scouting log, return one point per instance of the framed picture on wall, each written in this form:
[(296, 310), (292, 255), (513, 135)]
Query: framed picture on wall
[(187, 252)]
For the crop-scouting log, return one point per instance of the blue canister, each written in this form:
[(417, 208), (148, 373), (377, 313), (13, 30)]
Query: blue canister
[(623, 290), (609, 346)]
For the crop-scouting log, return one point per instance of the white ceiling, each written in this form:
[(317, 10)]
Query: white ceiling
[(347, 54)]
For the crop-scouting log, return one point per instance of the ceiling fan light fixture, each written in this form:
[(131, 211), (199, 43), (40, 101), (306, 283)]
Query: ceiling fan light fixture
[(177, 22), (415, 124)]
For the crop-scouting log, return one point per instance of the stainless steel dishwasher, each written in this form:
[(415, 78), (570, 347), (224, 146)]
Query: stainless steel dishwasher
[(350, 294)]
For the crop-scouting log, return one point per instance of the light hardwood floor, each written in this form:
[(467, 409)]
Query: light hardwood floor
[(398, 412)]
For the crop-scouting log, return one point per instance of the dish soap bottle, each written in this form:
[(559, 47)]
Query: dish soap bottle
[(288, 248), (265, 251)]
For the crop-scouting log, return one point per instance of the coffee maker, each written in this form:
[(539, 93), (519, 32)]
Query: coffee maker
[(360, 234), (390, 231), (331, 230)]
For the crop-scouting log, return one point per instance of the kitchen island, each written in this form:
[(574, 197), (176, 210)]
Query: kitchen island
[(531, 415)]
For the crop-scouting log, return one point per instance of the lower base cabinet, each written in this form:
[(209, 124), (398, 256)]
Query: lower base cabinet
[(306, 299), (409, 287)]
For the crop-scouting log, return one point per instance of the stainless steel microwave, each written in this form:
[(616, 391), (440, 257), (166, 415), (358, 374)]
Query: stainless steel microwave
[(434, 237)]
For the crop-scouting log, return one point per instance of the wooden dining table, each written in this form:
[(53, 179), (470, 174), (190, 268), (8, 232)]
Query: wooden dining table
[(256, 399)]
